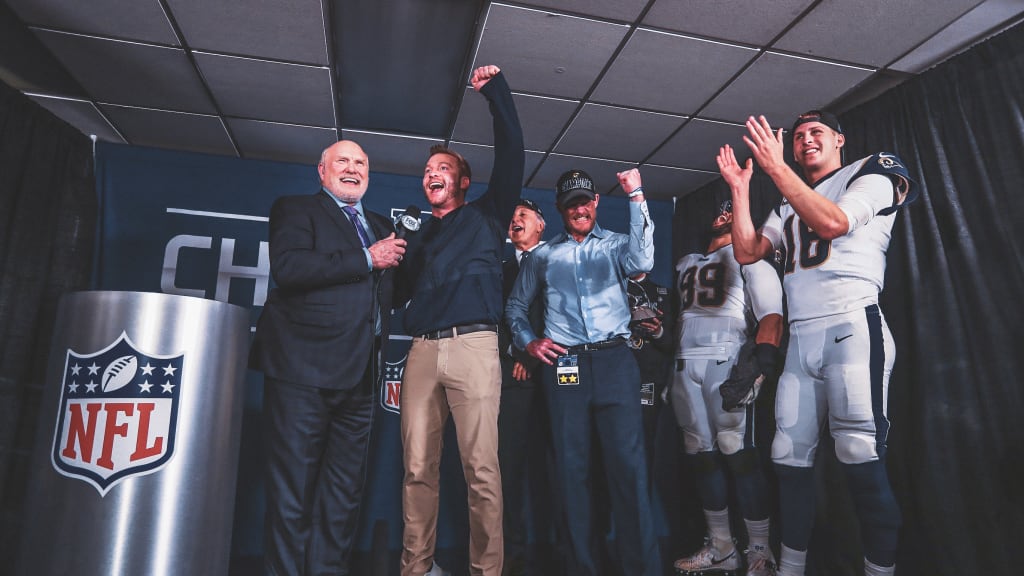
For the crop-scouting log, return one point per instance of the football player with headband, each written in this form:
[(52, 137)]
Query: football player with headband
[(834, 226), (718, 300)]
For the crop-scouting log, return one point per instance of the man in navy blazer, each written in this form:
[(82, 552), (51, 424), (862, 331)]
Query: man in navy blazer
[(318, 343)]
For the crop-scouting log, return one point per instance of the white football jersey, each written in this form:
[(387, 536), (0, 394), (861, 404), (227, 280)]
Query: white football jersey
[(823, 277), (714, 294)]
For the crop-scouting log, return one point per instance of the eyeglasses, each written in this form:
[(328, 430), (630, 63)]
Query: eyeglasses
[(531, 205)]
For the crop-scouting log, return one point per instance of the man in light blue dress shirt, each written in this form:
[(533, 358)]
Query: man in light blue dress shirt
[(590, 376)]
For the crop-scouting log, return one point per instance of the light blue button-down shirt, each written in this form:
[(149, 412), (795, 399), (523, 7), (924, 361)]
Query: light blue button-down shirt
[(583, 283), (362, 220)]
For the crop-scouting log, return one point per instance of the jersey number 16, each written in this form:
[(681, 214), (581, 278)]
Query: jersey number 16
[(813, 250)]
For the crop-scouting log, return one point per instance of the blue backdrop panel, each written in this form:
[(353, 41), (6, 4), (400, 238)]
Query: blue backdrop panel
[(196, 225)]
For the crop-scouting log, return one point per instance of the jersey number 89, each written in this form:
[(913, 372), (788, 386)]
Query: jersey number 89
[(705, 284)]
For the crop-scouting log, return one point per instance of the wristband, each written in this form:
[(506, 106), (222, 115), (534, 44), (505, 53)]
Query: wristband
[(639, 190), (767, 357)]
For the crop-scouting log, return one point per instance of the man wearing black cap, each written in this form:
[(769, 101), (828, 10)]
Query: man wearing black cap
[(589, 373), (834, 225), (716, 298), (522, 425)]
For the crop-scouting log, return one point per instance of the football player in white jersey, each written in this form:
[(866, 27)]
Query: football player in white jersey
[(833, 225), (718, 298)]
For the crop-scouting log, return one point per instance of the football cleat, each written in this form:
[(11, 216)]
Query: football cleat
[(760, 561), (707, 561)]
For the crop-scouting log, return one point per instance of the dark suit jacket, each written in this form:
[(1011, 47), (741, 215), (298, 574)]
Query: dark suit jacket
[(656, 355), (317, 326), (509, 273)]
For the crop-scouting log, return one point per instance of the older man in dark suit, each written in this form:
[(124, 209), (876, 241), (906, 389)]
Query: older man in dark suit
[(521, 420), (318, 343)]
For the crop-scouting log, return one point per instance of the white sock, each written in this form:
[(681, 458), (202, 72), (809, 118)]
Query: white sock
[(757, 532), (718, 528), (792, 562), (876, 570)]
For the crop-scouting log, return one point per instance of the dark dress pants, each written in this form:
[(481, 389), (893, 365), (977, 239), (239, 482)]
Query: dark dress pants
[(515, 421), (527, 478), (605, 400), (316, 442)]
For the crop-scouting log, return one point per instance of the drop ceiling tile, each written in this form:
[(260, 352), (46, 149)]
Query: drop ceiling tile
[(986, 19), (744, 21), (290, 30), (877, 84), (142, 20), (392, 153), (27, 65), (401, 65), (869, 32), (616, 133), (283, 142), (663, 182), (696, 145), (129, 73), (669, 72), (173, 130), (545, 52), (481, 160), (81, 114), (104, 45), (622, 10), (259, 89), (602, 171), (780, 87), (542, 119)]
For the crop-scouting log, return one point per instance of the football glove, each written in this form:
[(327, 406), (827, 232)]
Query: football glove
[(755, 363)]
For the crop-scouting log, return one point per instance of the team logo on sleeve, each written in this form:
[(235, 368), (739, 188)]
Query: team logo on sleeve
[(888, 161), (118, 414), (391, 391)]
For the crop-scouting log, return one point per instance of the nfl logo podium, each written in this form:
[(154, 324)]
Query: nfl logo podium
[(136, 455)]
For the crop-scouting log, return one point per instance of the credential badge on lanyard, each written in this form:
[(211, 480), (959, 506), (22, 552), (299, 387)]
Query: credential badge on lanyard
[(568, 371)]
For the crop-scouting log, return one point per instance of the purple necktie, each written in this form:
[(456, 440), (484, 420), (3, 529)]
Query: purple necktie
[(353, 215)]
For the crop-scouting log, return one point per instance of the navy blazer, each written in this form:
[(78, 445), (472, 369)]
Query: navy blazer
[(317, 325)]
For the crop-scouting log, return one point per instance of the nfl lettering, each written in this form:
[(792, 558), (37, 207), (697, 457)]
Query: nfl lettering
[(118, 414)]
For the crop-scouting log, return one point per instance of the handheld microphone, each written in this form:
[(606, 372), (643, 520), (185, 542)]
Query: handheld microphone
[(408, 222)]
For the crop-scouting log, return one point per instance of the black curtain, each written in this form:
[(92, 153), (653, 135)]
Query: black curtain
[(952, 297), (954, 282), (48, 211)]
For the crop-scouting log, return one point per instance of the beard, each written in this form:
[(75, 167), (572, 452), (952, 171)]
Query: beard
[(722, 229), (349, 198), (345, 195)]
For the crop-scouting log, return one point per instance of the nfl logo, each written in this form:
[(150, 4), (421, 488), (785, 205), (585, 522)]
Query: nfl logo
[(392, 388), (118, 414)]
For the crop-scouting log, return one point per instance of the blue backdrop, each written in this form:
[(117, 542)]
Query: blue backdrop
[(196, 225)]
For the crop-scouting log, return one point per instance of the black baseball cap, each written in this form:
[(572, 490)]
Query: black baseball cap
[(826, 118), (531, 205), (572, 185)]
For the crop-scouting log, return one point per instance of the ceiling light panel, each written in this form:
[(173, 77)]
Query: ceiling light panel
[(547, 53)]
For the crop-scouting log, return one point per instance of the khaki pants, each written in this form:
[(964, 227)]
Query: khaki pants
[(462, 376)]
